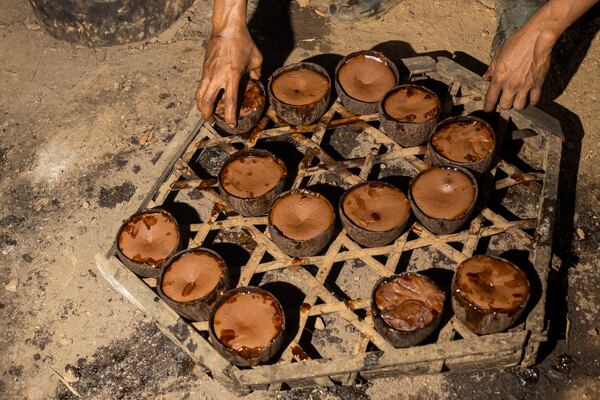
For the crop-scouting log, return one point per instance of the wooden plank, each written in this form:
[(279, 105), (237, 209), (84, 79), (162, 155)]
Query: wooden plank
[(456, 72), (500, 359), (537, 120), (479, 346), (542, 254), (419, 65)]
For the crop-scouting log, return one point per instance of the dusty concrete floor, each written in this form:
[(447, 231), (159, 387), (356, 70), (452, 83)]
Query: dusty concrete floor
[(83, 132)]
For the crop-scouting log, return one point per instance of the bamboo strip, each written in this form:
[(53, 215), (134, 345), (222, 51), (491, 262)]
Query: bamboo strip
[(326, 308), (205, 228), (518, 234), (256, 132), (311, 297), (448, 251), (348, 315), (520, 176), (382, 158), (309, 144), (231, 222), (461, 329), (368, 163), (510, 181), (250, 268), (473, 236), (396, 252), (410, 245), (370, 261), (324, 122)]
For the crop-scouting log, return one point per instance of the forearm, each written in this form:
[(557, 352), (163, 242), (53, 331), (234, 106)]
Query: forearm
[(230, 54), (229, 15), (554, 17)]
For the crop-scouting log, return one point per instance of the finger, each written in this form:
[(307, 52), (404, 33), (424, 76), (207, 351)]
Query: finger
[(491, 97), (521, 100), (508, 96), (255, 65), (254, 73), (200, 92), (231, 97), (490, 71), (207, 103), (535, 95)]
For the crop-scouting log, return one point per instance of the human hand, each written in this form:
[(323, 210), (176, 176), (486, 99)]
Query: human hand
[(518, 70), (230, 53)]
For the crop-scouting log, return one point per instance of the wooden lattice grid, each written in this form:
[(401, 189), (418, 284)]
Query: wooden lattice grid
[(370, 355)]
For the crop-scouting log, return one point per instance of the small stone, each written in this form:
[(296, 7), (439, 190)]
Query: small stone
[(319, 324), (146, 135), (65, 340), (72, 374), (11, 286), (32, 25), (593, 332), (580, 233), (85, 204)]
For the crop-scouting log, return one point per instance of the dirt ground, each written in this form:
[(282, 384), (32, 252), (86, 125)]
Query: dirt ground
[(82, 135)]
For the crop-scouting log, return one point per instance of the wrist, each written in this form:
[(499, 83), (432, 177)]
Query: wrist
[(547, 24), (229, 16), (229, 31), (542, 36)]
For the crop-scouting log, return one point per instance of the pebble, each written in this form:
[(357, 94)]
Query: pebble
[(319, 324), (65, 340), (85, 204), (32, 26), (580, 233), (11, 286), (72, 374)]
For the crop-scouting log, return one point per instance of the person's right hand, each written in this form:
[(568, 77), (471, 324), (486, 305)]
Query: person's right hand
[(229, 54)]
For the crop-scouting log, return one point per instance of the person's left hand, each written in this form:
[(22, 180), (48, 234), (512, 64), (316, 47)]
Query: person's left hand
[(518, 70)]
